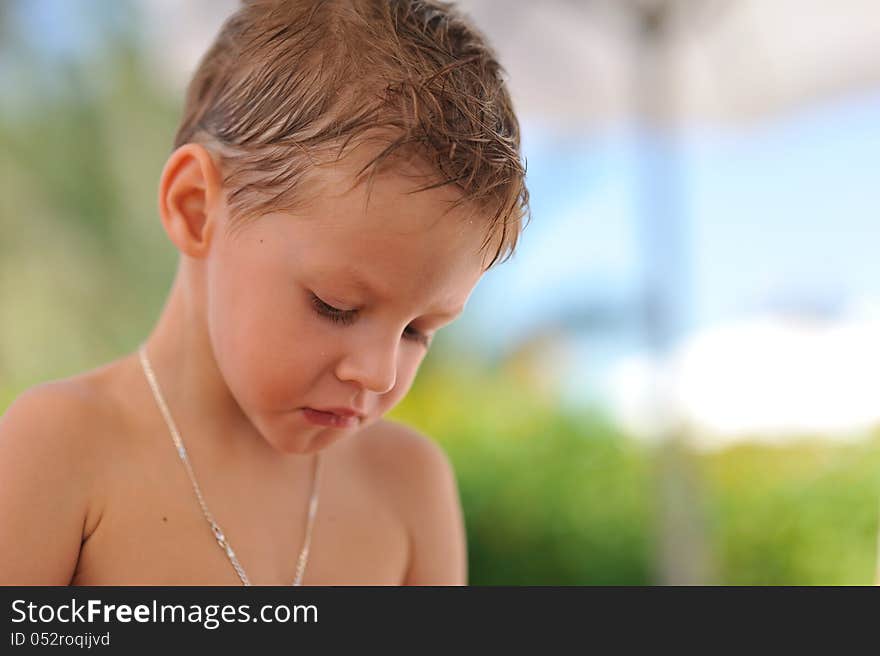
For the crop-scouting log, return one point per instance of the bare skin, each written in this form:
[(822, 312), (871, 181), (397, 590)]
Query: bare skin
[(94, 492)]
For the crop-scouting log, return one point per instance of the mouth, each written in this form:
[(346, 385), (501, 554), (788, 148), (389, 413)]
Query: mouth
[(340, 418)]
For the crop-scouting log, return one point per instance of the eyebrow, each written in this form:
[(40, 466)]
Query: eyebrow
[(358, 281)]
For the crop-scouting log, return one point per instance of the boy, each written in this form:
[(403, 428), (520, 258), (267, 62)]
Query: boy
[(344, 174)]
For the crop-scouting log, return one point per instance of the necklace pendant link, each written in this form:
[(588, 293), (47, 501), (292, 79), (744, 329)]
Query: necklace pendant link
[(218, 534)]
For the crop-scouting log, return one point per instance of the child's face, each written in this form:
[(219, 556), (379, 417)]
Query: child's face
[(268, 288)]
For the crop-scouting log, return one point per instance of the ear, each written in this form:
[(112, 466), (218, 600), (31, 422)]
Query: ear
[(191, 199)]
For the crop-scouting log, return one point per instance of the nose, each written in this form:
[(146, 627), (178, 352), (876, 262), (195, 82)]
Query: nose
[(372, 365)]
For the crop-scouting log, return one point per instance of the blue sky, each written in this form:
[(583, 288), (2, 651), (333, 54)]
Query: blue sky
[(787, 210), (777, 215)]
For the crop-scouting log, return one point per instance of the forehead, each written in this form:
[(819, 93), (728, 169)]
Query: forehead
[(384, 238)]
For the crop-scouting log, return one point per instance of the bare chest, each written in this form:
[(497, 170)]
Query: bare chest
[(152, 531)]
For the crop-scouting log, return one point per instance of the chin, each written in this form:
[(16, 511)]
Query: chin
[(306, 444)]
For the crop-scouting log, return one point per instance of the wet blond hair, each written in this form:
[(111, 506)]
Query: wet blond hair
[(287, 82)]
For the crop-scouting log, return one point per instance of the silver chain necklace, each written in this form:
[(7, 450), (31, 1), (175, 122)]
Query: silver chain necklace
[(221, 538)]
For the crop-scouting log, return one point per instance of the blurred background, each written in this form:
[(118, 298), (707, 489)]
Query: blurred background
[(675, 378)]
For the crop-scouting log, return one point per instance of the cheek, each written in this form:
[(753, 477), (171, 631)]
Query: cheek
[(267, 350)]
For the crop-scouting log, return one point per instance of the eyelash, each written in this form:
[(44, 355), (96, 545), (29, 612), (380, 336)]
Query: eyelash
[(346, 318)]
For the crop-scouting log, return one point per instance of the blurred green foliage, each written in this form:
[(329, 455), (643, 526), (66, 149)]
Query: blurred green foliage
[(803, 514), (84, 264), (555, 498), (550, 496)]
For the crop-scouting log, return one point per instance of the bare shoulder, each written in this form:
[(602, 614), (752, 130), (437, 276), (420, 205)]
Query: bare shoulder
[(401, 450), (48, 415), (49, 455), (418, 480), (403, 462), (69, 415)]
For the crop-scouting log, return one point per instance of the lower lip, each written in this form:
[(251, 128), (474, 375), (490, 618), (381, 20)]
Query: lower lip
[(329, 419)]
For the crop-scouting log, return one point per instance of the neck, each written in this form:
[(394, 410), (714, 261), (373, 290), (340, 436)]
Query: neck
[(179, 350)]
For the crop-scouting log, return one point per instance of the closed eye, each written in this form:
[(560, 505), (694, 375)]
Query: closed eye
[(347, 317), (336, 315)]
